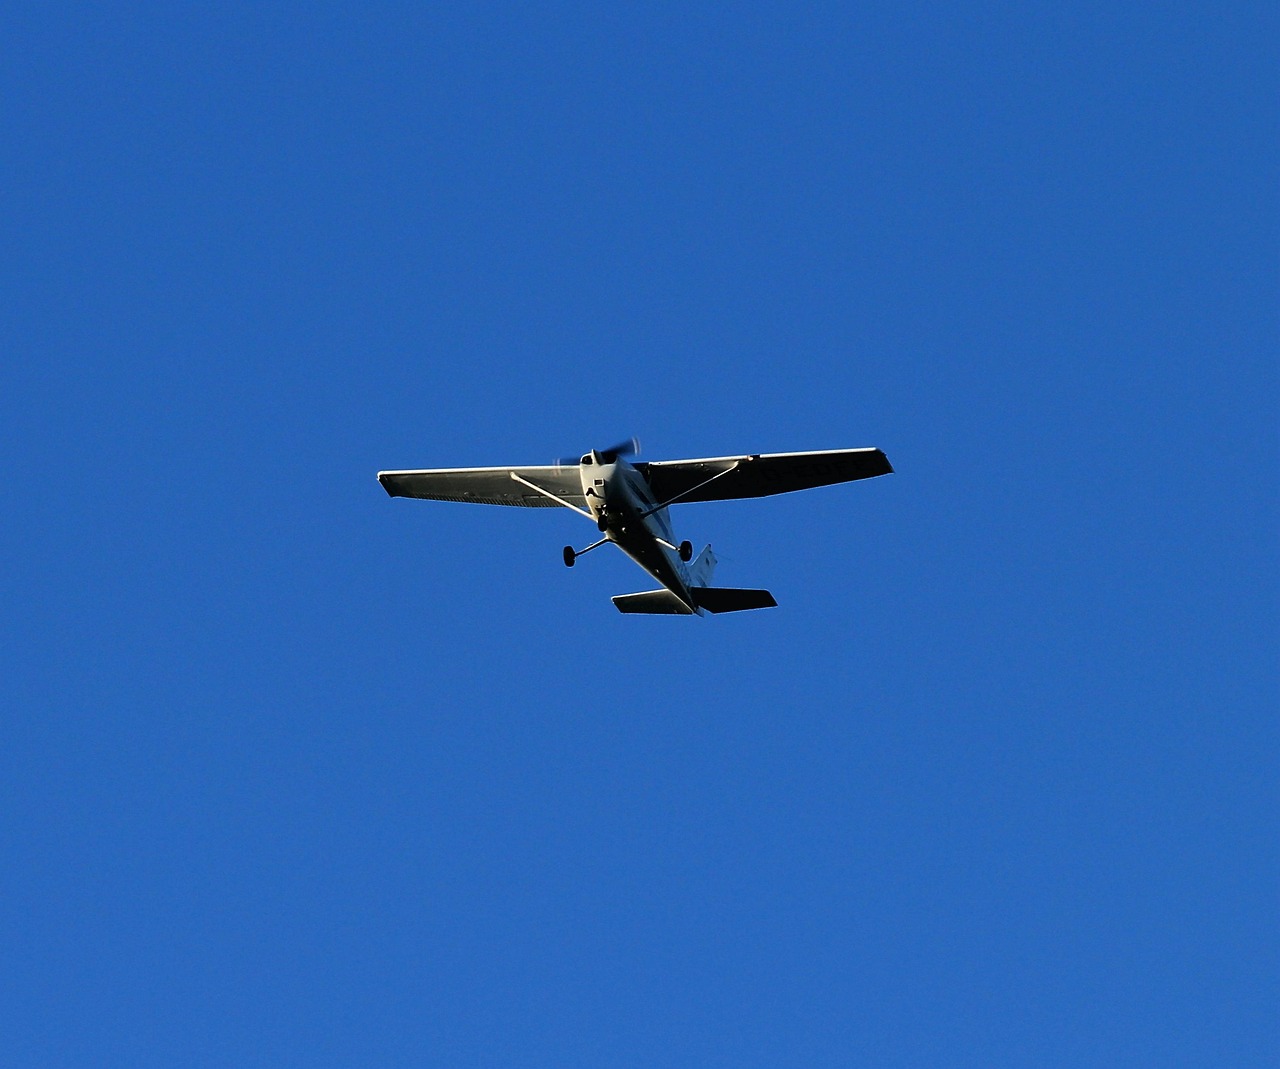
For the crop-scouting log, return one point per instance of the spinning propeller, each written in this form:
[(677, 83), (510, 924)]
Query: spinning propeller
[(628, 448)]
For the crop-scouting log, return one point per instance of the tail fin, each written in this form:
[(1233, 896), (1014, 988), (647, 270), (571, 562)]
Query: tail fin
[(702, 567)]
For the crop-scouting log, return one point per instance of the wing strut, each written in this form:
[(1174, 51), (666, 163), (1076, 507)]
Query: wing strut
[(548, 493), (685, 493)]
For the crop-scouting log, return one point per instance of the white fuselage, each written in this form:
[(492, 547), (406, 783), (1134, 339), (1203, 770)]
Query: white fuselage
[(621, 502)]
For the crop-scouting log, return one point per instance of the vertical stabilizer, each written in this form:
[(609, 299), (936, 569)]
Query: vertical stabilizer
[(702, 567)]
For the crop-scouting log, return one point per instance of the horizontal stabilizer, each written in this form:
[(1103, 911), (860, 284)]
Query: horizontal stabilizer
[(659, 602), (727, 599)]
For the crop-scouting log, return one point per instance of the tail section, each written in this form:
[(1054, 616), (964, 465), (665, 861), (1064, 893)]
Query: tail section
[(721, 599), (702, 567), (706, 598)]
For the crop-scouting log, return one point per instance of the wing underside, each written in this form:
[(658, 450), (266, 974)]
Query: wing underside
[(760, 475), (487, 486)]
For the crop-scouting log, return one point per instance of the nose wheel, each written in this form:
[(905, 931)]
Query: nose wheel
[(686, 551)]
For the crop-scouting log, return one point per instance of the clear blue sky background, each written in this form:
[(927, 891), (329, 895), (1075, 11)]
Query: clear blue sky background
[(295, 774)]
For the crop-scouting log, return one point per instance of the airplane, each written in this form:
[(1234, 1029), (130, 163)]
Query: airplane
[(628, 504)]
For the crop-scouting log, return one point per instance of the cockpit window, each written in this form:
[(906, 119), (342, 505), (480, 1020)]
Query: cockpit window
[(588, 459)]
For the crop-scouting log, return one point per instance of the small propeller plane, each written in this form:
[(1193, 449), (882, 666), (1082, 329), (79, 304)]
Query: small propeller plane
[(628, 504)]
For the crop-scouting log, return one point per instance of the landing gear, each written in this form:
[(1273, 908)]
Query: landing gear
[(686, 551), (571, 554)]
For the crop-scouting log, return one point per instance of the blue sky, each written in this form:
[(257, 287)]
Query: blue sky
[(295, 774)]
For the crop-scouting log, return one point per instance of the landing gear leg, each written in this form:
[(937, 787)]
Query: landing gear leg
[(571, 554)]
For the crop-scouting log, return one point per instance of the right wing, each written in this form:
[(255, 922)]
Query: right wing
[(487, 486), (761, 474)]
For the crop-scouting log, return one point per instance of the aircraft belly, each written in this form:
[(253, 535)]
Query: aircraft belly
[(633, 532), (654, 560)]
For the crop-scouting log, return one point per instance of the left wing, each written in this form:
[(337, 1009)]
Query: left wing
[(761, 474), (487, 486)]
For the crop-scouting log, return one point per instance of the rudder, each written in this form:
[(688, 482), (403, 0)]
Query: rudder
[(702, 567)]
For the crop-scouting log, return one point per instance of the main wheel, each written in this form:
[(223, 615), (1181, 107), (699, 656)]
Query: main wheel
[(686, 551), (569, 556)]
